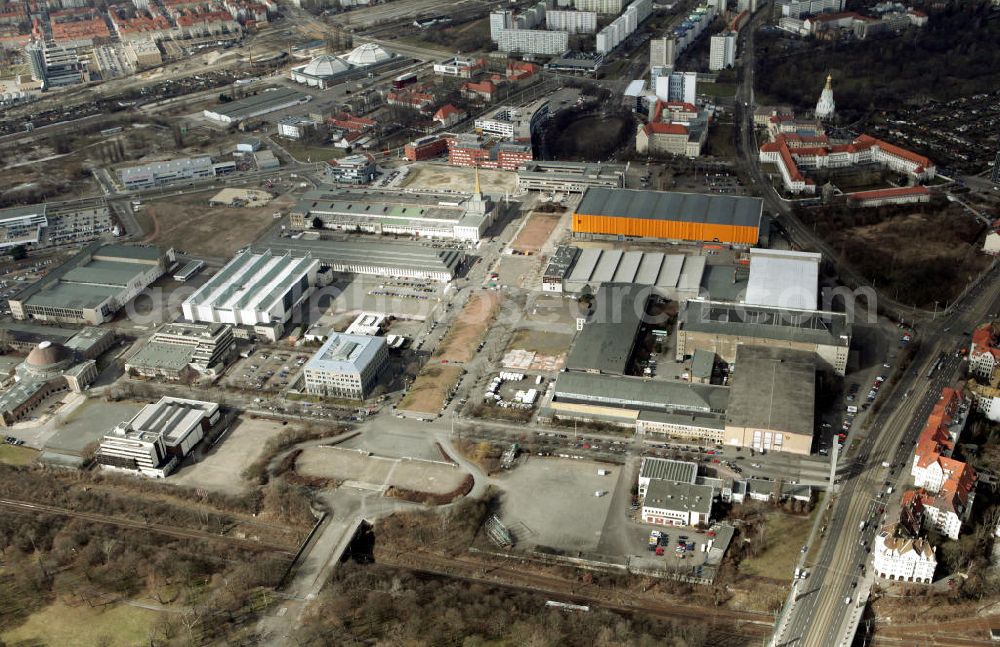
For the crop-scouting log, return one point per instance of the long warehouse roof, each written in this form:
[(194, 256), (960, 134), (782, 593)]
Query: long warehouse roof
[(671, 205)]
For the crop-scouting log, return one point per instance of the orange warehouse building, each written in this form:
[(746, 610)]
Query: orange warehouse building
[(669, 215)]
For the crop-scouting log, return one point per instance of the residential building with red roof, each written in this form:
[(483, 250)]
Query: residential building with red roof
[(900, 553), (407, 99), (484, 90), (448, 115), (895, 195), (984, 352), (348, 122), (947, 485)]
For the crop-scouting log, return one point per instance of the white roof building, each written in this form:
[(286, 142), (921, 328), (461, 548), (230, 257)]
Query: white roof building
[(783, 279), (254, 289), (368, 54)]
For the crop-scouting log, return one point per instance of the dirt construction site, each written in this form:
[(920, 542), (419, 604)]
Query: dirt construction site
[(359, 468), (459, 345), (430, 388), (437, 177), (536, 232), (189, 223)]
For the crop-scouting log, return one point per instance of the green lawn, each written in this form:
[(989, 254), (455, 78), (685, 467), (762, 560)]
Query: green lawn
[(718, 89), (785, 536), (12, 455), (59, 624)]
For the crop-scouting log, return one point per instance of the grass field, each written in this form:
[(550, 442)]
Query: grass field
[(17, 455), (459, 345), (535, 232), (60, 624), (428, 391), (717, 89), (786, 534)]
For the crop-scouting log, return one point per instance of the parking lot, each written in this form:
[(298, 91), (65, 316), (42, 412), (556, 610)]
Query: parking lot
[(266, 370), (220, 468), (551, 502)]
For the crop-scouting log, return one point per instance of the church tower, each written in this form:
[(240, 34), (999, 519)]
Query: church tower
[(825, 107)]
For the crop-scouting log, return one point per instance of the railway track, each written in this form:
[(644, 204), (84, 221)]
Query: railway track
[(25, 507), (747, 627)]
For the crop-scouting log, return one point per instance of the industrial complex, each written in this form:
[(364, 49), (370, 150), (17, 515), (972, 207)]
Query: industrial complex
[(92, 286)]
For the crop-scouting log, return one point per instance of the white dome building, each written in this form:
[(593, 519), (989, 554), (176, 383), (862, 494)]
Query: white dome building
[(321, 72), (368, 54), (326, 66)]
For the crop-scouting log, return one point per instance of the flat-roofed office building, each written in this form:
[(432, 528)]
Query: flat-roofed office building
[(157, 438), (346, 366)]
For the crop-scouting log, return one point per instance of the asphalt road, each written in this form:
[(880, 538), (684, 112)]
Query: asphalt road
[(818, 613)]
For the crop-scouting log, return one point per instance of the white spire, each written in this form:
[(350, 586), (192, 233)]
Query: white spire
[(825, 107)]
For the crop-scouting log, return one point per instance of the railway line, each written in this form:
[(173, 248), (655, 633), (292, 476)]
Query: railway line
[(25, 507), (747, 626)]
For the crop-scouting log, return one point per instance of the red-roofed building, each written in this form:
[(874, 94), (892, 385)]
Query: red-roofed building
[(520, 70), (951, 482), (349, 123), (448, 115), (484, 90), (414, 100), (425, 148), (793, 151), (984, 352), (675, 128), (895, 195)]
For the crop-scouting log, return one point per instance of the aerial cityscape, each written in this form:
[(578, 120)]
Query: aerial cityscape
[(500, 323)]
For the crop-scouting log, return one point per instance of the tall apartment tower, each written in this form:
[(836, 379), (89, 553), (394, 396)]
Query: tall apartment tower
[(662, 52), (722, 54), (500, 20)]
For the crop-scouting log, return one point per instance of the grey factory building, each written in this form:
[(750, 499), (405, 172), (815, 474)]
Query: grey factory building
[(269, 100), (379, 258), (93, 285), (680, 409), (608, 333), (772, 400), (569, 177), (723, 328), (672, 276)]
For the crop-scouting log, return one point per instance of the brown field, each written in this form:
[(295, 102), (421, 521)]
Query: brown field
[(535, 232), (188, 223), (541, 342), (459, 345), (428, 391)]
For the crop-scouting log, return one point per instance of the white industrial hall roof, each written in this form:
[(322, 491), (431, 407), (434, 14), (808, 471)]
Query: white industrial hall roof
[(783, 279)]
